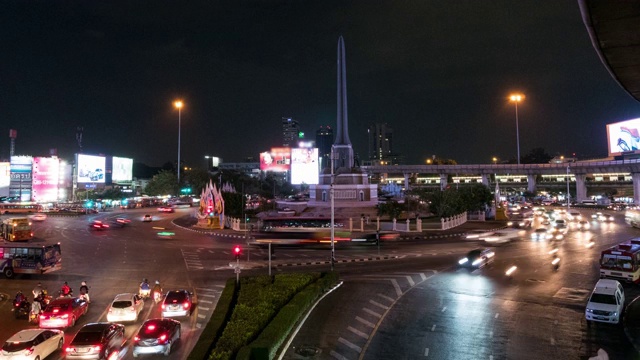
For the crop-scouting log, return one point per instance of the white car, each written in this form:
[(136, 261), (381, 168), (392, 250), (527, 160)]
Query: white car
[(502, 236), (38, 217), (584, 225), (541, 234), (32, 344), (606, 302), (125, 307), (477, 234), (147, 218)]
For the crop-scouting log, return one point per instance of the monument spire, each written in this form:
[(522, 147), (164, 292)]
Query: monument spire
[(342, 143)]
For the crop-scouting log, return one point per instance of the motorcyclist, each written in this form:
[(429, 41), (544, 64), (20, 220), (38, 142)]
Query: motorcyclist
[(20, 298), (38, 290), (66, 290), (36, 306), (84, 291), (156, 289), (145, 289)]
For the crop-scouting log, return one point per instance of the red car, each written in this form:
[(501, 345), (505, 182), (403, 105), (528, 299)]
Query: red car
[(167, 209), (98, 225), (63, 312)]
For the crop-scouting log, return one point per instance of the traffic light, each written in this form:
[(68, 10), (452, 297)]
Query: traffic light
[(237, 251)]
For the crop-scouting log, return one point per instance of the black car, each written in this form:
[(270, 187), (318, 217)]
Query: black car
[(96, 341), (156, 336), (477, 258)]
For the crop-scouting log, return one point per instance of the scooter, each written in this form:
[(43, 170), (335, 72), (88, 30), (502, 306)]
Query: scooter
[(34, 314), (21, 309), (157, 296), (144, 292)]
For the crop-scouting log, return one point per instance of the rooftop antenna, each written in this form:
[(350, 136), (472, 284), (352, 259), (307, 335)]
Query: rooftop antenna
[(13, 134)]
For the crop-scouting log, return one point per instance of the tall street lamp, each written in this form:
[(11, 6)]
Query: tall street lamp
[(178, 104), (516, 98), (495, 160)]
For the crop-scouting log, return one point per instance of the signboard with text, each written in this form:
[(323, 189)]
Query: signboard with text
[(91, 169), (5, 178), (20, 173), (278, 159), (122, 169), (304, 166), (45, 179)]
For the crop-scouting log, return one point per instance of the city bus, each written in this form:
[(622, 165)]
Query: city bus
[(29, 259), (16, 229), (301, 230), (18, 208), (622, 262)]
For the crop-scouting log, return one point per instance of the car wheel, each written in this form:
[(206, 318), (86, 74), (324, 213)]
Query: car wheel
[(8, 272), (73, 321), (60, 344), (37, 358), (167, 351)]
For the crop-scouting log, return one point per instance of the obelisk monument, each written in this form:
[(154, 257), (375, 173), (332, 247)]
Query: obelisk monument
[(343, 157)]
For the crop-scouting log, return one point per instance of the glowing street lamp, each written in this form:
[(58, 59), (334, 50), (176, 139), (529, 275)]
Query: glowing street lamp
[(516, 98), (178, 104), (495, 160)]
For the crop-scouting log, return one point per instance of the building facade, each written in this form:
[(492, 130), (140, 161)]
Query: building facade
[(290, 131), (324, 140)]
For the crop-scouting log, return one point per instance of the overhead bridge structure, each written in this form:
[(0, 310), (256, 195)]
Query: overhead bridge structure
[(576, 172)]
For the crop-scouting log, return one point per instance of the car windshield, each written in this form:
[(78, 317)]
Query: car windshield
[(175, 296), (57, 308), (16, 346), (87, 337), (474, 254), (121, 304), (603, 299), (152, 329)]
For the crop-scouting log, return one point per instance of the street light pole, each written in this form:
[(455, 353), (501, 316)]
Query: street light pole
[(568, 196), (178, 104), (333, 249), (516, 98)]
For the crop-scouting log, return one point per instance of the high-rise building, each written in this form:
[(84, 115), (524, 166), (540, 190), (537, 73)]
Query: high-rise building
[(324, 140), (380, 141), (290, 132)]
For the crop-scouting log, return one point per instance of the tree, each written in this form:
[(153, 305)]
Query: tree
[(164, 183), (196, 179), (114, 193), (393, 209), (475, 197), (445, 203)]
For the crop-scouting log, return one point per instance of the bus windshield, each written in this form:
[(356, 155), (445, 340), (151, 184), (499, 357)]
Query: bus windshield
[(17, 229), (619, 262), (30, 259)]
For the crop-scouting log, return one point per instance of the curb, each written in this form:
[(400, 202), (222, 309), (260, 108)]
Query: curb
[(338, 261)]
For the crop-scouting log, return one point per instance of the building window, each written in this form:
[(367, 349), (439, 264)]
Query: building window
[(361, 195), (324, 196)]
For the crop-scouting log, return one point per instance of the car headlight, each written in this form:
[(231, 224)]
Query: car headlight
[(589, 310), (510, 223), (476, 262), (462, 261)]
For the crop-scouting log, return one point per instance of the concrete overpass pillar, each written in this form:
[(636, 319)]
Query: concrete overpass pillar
[(581, 187), (486, 180), (635, 177), (406, 181), (443, 181), (531, 183)]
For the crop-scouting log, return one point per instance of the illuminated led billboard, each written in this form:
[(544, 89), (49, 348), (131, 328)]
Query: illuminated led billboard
[(90, 168), (624, 137), (20, 183), (304, 166), (46, 173), (122, 169), (279, 159), (5, 178)]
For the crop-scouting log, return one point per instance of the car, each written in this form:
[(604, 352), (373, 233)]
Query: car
[(125, 307), (166, 209), (502, 236), (38, 217), (477, 259), (541, 234), (177, 303), (98, 225), (63, 312), (147, 218), (32, 344), (606, 302), (121, 222), (584, 225), (96, 341), (476, 234), (520, 223), (156, 336)]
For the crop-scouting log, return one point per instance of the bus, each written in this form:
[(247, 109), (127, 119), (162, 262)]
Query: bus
[(29, 259), (16, 229), (301, 230), (622, 261), (632, 217), (18, 208)]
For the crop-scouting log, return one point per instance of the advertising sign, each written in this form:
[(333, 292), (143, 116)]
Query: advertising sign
[(624, 137), (304, 166), (122, 169), (20, 185), (5, 178), (91, 168), (278, 159), (45, 179)]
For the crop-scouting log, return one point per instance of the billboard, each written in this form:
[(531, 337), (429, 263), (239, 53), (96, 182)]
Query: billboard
[(624, 137), (46, 173), (90, 168), (278, 159), (20, 183), (304, 166), (5, 178), (122, 169)]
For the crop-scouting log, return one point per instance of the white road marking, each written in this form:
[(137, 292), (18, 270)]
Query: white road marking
[(337, 356), (444, 308), (490, 333), (433, 328), (205, 295), (363, 321), (495, 317), (370, 312), (350, 345), (410, 281), (378, 304), (426, 351), (358, 332), (397, 287), (553, 341), (203, 308), (198, 325), (386, 297), (201, 316), (423, 276), (206, 301)]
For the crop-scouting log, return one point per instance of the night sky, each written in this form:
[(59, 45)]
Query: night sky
[(437, 72)]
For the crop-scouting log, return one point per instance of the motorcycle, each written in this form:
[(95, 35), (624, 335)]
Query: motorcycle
[(21, 309), (69, 294), (144, 291), (34, 313), (157, 296)]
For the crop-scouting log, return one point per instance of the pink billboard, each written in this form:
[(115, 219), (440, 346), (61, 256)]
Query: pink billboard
[(45, 179), (278, 159)]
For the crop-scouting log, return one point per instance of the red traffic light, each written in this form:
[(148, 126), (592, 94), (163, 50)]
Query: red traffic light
[(237, 250)]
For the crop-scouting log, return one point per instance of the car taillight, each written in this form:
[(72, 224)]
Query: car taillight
[(136, 338), (162, 306), (96, 348), (186, 305), (162, 338), (28, 351)]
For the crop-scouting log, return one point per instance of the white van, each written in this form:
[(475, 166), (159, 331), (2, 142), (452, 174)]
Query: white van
[(606, 302)]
